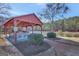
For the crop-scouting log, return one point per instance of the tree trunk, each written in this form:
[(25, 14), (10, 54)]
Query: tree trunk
[(51, 26), (63, 28)]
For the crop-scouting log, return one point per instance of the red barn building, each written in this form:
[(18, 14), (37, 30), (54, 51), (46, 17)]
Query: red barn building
[(22, 21)]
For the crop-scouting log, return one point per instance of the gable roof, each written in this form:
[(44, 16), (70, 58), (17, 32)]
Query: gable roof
[(30, 18)]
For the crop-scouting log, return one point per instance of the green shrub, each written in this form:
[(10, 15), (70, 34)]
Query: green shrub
[(36, 38), (51, 35)]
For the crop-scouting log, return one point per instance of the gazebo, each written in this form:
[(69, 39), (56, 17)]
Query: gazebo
[(20, 22)]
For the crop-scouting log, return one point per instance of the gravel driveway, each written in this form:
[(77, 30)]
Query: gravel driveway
[(59, 48)]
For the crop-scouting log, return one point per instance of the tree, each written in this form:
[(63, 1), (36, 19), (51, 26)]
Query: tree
[(4, 11), (70, 24), (54, 9)]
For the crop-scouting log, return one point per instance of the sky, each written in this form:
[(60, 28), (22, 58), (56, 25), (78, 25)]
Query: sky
[(27, 8)]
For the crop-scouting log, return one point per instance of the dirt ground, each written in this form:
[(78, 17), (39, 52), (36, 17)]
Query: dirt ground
[(2, 42)]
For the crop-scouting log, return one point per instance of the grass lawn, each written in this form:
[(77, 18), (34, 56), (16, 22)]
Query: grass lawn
[(2, 42), (76, 39)]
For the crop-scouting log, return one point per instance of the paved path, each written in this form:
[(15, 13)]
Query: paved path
[(60, 49)]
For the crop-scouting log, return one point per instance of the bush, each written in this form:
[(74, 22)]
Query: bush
[(51, 35), (36, 38)]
